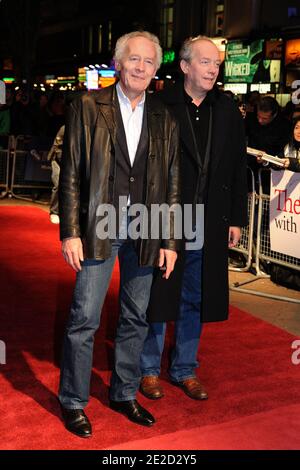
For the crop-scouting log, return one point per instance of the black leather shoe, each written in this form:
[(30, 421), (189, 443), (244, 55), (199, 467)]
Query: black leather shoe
[(77, 422), (134, 411)]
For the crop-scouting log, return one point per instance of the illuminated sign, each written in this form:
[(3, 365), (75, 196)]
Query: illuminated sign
[(108, 73), (236, 88), (92, 79), (107, 81), (245, 62), (51, 80), (107, 77), (261, 87), (242, 61), (8, 79), (221, 45), (82, 75), (168, 57), (292, 53), (61, 80), (275, 71)]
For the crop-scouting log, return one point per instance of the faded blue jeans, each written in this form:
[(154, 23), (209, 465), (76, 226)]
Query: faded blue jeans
[(92, 283), (187, 328)]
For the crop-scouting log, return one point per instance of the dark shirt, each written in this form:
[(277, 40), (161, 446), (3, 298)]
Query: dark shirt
[(200, 119)]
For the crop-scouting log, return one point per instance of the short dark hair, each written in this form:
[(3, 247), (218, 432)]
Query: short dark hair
[(295, 121), (267, 104), (186, 50), (292, 142)]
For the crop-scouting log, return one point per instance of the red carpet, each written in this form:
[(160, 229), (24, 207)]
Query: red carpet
[(246, 365)]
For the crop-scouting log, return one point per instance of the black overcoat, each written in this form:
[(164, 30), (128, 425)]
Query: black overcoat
[(226, 205)]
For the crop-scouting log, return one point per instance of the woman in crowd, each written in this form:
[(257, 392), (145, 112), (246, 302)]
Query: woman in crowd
[(292, 149)]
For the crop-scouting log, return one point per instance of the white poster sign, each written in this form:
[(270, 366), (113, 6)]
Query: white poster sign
[(285, 212)]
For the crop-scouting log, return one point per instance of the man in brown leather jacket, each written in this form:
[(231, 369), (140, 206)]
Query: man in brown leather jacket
[(119, 142)]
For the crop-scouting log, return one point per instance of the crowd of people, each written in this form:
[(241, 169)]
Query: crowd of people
[(32, 113), (184, 146)]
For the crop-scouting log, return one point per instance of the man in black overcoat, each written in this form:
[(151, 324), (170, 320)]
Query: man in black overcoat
[(213, 170)]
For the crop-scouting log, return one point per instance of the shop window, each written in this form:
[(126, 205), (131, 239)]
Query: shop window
[(219, 18), (167, 23)]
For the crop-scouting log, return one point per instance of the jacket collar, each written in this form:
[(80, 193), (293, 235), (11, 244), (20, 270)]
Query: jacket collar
[(108, 95), (175, 98), (175, 94)]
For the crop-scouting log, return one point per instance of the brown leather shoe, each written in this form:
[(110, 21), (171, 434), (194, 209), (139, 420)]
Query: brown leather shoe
[(150, 387), (193, 388)]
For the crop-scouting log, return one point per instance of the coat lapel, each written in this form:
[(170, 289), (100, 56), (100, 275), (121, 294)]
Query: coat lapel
[(178, 107), (219, 134), (143, 142), (120, 133), (154, 123), (106, 102)]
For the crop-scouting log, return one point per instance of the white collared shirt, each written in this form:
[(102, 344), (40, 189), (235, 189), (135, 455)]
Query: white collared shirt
[(132, 121)]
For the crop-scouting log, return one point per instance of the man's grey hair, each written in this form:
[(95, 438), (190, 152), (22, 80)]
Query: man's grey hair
[(186, 51), (123, 40)]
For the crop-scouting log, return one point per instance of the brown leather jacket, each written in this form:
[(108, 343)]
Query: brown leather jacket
[(88, 162)]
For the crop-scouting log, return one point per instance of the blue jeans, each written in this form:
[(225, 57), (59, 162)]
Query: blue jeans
[(92, 283), (187, 328)]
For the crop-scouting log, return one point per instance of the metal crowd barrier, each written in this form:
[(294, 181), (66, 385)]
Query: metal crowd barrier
[(245, 245), (31, 172), (6, 143), (262, 248)]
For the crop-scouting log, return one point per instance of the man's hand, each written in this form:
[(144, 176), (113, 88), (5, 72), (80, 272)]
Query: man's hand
[(234, 236), (286, 162), (72, 252), (167, 259)]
